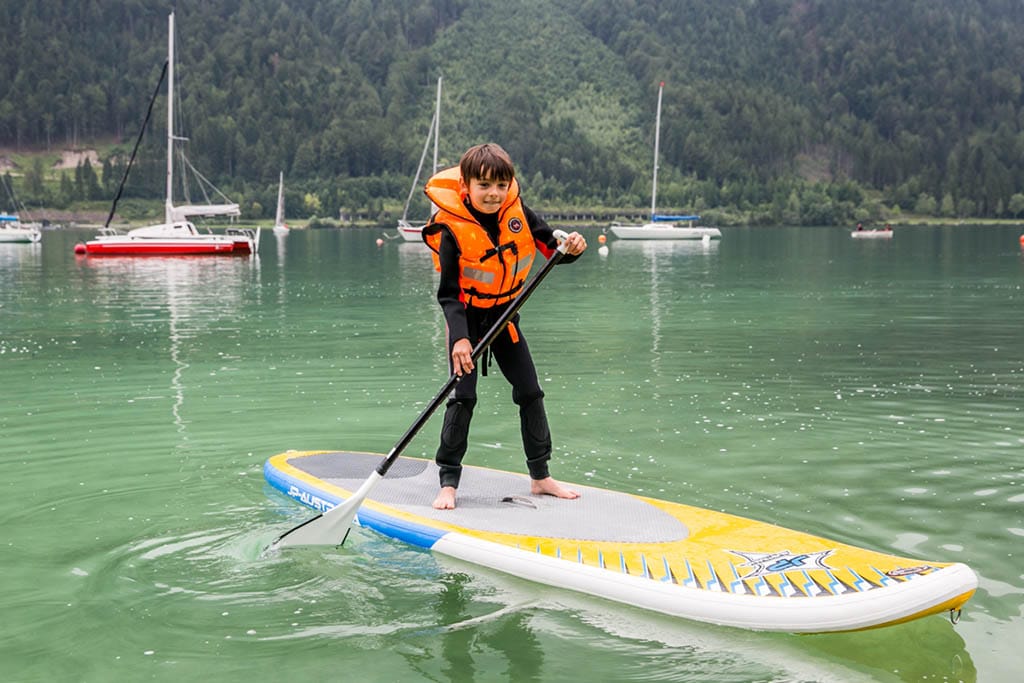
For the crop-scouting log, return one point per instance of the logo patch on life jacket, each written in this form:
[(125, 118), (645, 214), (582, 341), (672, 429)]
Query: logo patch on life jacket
[(515, 225)]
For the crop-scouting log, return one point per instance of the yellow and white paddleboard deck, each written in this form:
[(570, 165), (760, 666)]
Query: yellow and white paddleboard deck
[(671, 558)]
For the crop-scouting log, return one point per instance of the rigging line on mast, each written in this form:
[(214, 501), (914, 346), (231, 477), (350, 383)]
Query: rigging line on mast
[(131, 160), (423, 157)]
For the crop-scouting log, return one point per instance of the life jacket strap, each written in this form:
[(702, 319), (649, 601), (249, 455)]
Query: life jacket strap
[(476, 294), (494, 251)]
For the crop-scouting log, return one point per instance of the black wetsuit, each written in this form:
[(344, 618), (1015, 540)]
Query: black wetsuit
[(512, 356)]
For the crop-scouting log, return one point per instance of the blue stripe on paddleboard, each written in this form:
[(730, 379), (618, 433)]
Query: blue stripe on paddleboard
[(404, 530), (321, 501), (299, 490), (884, 578), (809, 587)]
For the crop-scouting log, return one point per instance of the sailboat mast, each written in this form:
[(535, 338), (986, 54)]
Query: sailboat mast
[(279, 218), (168, 208), (657, 139), (437, 121)]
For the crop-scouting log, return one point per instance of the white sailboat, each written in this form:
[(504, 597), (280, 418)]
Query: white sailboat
[(13, 230), (663, 227), (413, 233), (280, 227), (177, 234), (12, 227)]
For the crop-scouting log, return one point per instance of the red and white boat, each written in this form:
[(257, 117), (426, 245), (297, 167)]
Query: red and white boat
[(177, 235), (175, 239)]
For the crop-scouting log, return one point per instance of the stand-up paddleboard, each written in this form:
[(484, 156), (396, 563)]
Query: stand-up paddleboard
[(671, 558)]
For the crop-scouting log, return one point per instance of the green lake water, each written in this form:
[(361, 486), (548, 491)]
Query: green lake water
[(867, 391)]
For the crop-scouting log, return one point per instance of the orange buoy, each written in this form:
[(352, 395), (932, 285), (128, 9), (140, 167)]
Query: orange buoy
[(1022, 241), (602, 239)]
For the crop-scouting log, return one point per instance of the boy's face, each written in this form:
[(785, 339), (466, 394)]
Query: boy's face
[(487, 196)]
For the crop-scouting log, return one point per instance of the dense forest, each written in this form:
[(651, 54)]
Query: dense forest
[(775, 111)]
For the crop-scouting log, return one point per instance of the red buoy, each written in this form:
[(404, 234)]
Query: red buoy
[(79, 248)]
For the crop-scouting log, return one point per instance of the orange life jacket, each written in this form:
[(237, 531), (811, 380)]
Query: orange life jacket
[(489, 274)]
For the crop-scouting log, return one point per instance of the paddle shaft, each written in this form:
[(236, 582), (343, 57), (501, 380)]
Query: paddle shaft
[(480, 347)]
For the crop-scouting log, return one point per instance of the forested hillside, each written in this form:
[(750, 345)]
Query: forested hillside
[(798, 111)]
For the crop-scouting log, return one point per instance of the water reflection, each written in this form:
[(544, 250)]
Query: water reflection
[(417, 265), (505, 631), (660, 261), (14, 255), (191, 295), (417, 276), (282, 249)]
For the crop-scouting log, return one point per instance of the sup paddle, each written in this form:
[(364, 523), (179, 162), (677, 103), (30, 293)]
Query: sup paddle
[(330, 526)]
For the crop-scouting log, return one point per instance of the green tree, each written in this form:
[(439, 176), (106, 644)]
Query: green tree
[(1016, 206), (33, 182), (925, 205), (948, 208)]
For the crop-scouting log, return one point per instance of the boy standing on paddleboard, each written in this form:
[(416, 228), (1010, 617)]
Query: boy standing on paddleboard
[(484, 240)]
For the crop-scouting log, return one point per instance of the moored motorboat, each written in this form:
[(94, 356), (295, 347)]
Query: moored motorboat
[(872, 234)]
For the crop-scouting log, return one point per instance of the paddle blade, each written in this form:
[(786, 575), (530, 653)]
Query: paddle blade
[(331, 527)]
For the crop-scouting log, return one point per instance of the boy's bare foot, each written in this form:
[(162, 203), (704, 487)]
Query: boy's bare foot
[(445, 499), (550, 487)]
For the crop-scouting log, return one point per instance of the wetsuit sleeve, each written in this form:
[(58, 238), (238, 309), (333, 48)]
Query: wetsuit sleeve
[(544, 235), (448, 290)]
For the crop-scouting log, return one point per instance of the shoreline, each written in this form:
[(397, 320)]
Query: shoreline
[(92, 218)]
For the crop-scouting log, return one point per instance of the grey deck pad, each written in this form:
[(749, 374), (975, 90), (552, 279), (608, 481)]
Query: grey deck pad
[(500, 502)]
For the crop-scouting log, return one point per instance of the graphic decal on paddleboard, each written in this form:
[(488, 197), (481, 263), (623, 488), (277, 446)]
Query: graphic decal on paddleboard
[(902, 572), (765, 564)]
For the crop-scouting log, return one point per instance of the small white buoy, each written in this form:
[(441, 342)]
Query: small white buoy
[(602, 250), (380, 242)]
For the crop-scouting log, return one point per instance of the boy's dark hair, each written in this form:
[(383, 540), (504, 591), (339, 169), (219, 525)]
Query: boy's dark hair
[(487, 162)]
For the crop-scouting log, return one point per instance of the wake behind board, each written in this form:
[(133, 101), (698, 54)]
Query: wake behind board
[(671, 558)]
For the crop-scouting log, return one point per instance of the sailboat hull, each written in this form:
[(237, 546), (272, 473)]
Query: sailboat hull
[(19, 235), (12, 230), (410, 233), (661, 231), (129, 246), (245, 240)]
